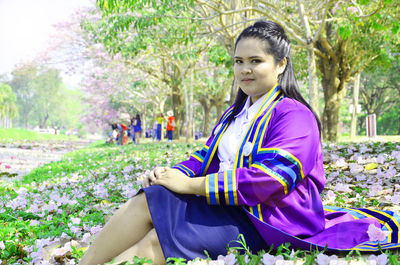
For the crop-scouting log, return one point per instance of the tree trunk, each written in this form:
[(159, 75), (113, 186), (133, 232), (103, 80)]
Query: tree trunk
[(312, 80), (43, 123), (191, 105), (356, 90), (219, 108), (333, 93), (206, 116), (312, 77), (234, 90), (177, 106)]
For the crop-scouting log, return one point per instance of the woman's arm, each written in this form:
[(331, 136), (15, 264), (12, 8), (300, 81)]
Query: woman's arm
[(178, 182)]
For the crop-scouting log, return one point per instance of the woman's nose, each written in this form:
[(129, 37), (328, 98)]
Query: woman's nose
[(246, 70)]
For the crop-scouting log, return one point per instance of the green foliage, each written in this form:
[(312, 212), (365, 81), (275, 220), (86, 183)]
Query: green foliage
[(41, 99), (388, 122), (8, 102)]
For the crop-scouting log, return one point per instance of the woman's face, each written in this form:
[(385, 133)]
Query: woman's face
[(255, 70)]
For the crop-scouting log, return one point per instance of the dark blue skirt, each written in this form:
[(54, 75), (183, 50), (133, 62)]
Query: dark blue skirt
[(186, 225)]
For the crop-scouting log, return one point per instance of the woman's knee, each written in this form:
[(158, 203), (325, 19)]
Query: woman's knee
[(153, 238), (138, 205)]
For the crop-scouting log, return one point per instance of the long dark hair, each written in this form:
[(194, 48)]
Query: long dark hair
[(279, 47)]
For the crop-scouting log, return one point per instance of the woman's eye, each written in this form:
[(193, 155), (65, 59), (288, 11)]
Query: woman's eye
[(238, 61), (256, 61)]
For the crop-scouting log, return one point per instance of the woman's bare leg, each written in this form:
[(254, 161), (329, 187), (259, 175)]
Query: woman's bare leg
[(127, 227), (137, 136), (149, 247)]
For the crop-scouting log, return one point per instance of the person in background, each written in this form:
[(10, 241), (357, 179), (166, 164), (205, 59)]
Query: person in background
[(113, 134), (132, 125), (159, 120), (155, 124), (170, 125), (138, 128)]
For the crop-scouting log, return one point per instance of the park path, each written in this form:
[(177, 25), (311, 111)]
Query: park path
[(18, 159)]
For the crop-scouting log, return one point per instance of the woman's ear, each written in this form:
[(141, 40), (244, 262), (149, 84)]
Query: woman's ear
[(280, 68)]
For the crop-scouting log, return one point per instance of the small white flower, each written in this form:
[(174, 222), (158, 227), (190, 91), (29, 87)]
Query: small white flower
[(247, 148)]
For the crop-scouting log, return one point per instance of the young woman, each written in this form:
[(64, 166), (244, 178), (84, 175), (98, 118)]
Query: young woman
[(260, 174), (138, 128)]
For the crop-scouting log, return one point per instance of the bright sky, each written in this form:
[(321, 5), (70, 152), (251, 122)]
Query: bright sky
[(25, 26)]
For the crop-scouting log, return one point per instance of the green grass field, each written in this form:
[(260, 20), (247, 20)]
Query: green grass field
[(89, 184), (12, 135)]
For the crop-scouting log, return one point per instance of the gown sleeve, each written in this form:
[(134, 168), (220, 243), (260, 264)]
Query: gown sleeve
[(192, 166), (288, 153)]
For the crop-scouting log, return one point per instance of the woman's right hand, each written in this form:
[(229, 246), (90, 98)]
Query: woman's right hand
[(152, 176)]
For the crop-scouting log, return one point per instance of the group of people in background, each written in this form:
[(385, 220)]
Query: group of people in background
[(120, 133), (157, 127)]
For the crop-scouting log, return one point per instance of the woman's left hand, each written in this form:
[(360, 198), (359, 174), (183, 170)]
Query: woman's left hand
[(174, 180)]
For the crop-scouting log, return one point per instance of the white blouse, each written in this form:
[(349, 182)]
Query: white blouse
[(233, 136)]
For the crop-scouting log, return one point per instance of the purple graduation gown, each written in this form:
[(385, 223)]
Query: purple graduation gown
[(277, 178)]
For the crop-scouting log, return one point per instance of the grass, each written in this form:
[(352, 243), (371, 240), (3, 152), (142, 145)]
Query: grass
[(12, 135), (83, 177)]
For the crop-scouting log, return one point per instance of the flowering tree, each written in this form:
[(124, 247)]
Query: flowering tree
[(157, 51), (335, 34)]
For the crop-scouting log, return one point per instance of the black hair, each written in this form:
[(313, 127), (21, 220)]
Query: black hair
[(113, 126), (138, 117), (279, 47)]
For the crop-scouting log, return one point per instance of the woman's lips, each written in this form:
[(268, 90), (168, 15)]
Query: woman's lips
[(248, 80)]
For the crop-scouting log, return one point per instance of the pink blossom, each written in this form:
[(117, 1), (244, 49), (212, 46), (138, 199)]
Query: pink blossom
[(334, 174), (361, 177), (76, 221), (382, 259), (330, 197), (380, 159), (86, 237), (336, 7), (8, 166), (395, 199), (216, 262), (62, 251), (342, 187), (323, 259), (2, 246), (341, 162), (34, 222), (12, 157), (95, 229), (268, 259), (284, 262), (376, 234), (391, 172), (374, 189), (352, 9), (230, 259), (355, 169)]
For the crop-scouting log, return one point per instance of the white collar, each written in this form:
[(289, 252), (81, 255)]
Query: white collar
[(251, 111)]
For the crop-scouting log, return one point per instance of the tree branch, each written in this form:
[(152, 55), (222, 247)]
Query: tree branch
[(316, 36)]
